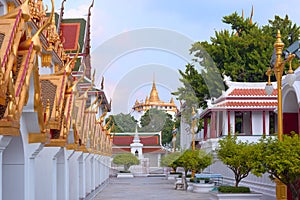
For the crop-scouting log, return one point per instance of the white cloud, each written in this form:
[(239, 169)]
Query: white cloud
[(80, 12)]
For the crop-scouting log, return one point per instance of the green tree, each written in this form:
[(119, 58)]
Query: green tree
[(126, 159), (168, 159), (196, 160), (240, 157), (123, 123), (193, 89), (243, 52), (281, 159), (155, 120)]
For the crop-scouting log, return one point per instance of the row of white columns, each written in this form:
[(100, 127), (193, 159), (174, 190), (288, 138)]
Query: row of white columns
[(48, 173)]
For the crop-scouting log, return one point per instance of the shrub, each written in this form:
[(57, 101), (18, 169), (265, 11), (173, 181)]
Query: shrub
[(233, 189), (240, 157), (126, 159), (193, 160)]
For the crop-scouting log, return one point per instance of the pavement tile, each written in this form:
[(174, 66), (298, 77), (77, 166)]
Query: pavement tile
[(146, 188)]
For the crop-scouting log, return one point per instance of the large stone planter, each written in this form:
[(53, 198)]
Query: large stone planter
[(172, 176), (190, 186), (124, 175), (235, 196), (203, 187)]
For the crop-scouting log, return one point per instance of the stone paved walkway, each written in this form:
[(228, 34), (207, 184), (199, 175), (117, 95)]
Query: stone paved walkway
[(146, 188)]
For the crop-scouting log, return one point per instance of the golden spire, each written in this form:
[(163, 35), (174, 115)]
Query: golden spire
[(154, 94), (172, 100), (147, 100)]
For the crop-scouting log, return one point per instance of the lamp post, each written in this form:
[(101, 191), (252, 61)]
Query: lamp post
[(290, 78), (193, 128), (174, 132)]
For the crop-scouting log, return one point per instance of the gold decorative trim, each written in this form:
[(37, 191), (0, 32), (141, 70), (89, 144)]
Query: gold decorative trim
[(37, 138), (46, 60), (72, 147), (83, 149), (11, 128), (57, 143)]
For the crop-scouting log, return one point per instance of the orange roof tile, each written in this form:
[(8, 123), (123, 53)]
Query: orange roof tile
[(251, 92), (248, 104)]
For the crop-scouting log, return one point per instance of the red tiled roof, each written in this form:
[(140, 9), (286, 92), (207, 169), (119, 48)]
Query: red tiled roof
[(126, 140), (251, 92), (120, 150), (248, 104)]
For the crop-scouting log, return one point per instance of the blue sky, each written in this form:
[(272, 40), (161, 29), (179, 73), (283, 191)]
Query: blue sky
[(128, 61)]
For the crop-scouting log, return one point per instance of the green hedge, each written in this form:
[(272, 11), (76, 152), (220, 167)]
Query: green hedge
[(232, 189), (124, 171)]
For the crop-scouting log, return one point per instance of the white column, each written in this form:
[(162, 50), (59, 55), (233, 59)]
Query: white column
[(158, 159), (87, 174), (81, 164), (4, 141), (54, 179), (93, 163), (101, 169), (74, 173), (46, 174), (30, 171)]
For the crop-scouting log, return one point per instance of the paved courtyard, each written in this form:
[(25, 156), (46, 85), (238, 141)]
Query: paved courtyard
[(144, 188)]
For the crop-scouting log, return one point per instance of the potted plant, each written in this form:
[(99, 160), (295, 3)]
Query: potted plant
[(167, 161), (240, 158), (127, 160), (193, 160)]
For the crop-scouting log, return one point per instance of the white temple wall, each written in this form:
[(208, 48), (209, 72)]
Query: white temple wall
[(232, 122), (13, 177), (81, 163), (185, 135), (97, 171), (88, 186), (257, 122), (93, 163), (46, 177), (73, 166)]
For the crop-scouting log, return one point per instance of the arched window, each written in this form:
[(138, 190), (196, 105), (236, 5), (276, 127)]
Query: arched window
[(136, 153)]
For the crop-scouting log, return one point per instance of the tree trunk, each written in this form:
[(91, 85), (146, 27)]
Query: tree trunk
[(126, 167), (294, 191), (237, 181)]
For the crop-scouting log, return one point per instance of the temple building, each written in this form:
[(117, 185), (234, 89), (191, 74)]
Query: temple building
[(146, 146), (153, 101), (246, 110), (53, 140)]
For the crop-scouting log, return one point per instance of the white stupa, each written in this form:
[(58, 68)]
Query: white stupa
[(137, 147)]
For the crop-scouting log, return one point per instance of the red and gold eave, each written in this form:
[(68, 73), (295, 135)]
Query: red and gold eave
[(55, 95)]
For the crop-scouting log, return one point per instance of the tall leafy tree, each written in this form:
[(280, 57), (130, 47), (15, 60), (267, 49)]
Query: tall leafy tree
[(240, 157), (243, 52), (155, 120), (123, 123)]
